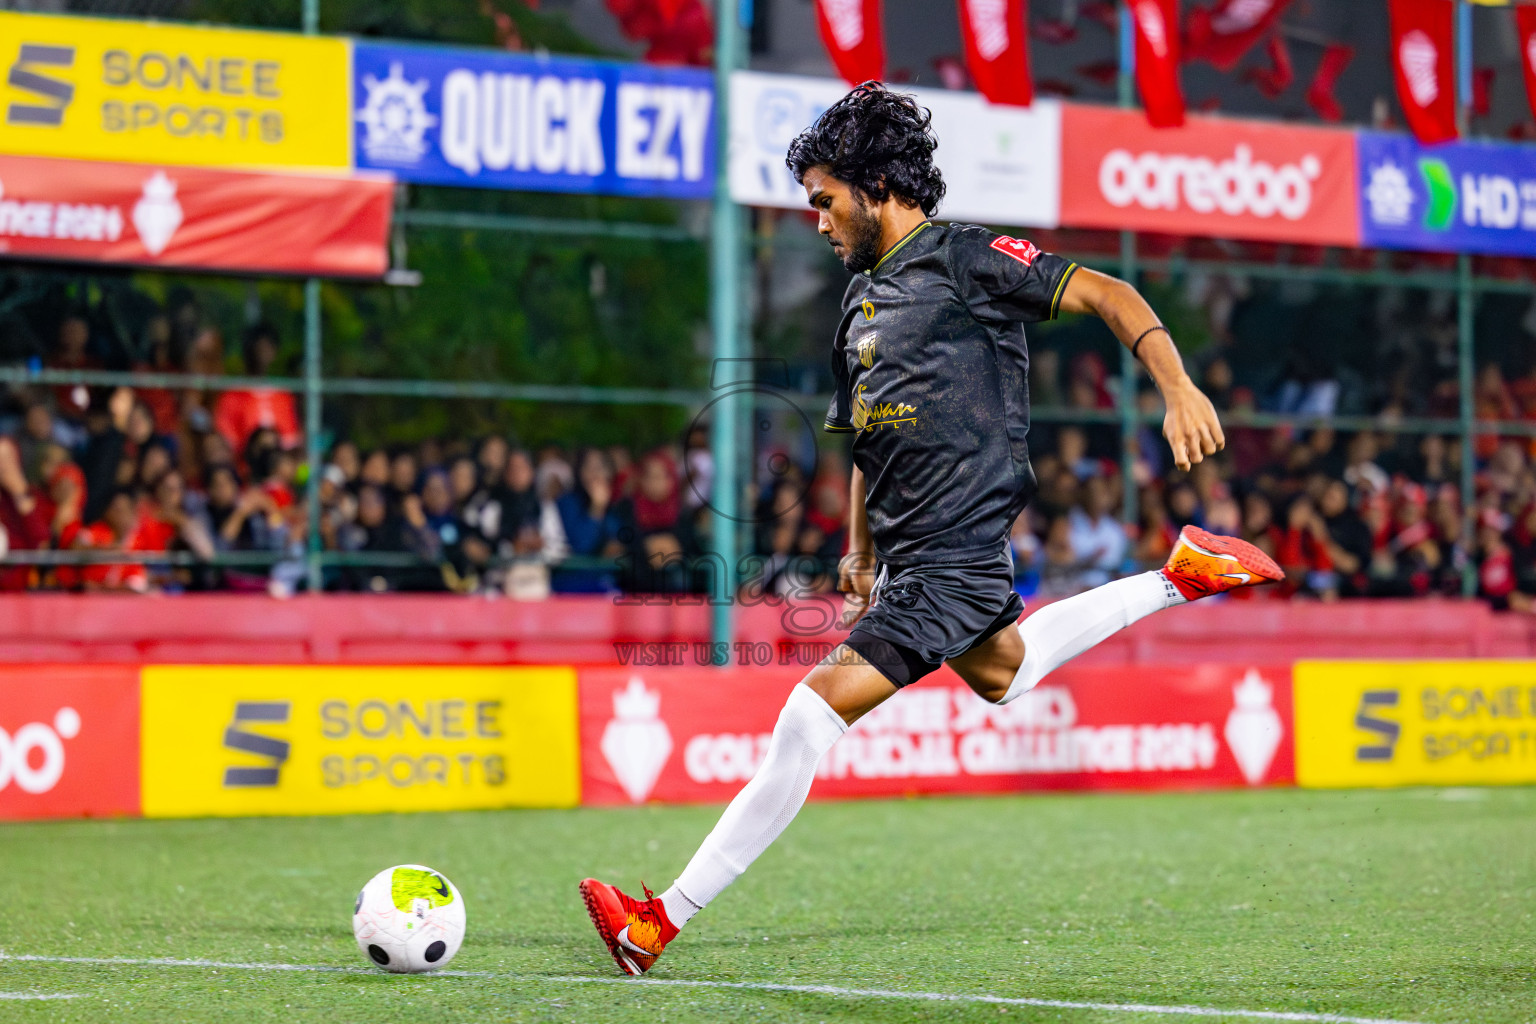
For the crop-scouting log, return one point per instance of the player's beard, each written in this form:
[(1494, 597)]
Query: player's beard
[(861, 238)]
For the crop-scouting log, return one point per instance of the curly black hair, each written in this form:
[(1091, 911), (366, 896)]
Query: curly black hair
[(878, 141)]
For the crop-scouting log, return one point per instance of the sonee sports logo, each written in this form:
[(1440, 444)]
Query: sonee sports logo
[(34, 757), (52, 94), (1385, 731), (274, 750)]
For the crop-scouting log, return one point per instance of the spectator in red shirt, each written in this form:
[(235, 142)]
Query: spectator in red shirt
[(1497, 579), (159, 356), (167, 524), (1303, 551), (63, 497), (23, 521), (115, 531), (237, 413), (1415, 554), (72, 400)]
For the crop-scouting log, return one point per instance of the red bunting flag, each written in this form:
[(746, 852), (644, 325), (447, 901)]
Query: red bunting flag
[(1222, 33), (996, 50), (1320, 95), (1157, 61), (1423, 59), (1275, 79), (1525, 19), (850, 30)]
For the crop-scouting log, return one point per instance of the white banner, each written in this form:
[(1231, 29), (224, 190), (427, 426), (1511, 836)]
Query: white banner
[(1002, 165)]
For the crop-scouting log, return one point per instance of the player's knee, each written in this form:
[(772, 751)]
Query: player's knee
[(991, 686)]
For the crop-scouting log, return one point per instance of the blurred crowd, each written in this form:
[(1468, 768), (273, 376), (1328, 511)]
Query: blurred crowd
[(1369, 514), (205, 473)]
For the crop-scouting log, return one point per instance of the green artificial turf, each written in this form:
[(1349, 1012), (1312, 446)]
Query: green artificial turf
[(1415, 905)]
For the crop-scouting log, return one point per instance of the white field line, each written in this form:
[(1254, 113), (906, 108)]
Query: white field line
[(38, 995), (750, 986)]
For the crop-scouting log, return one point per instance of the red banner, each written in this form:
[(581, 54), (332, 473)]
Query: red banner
[(996, 50), (685, 734), (1525, 21), (1157, 61), (850, 30), (1222, 33), (1214, 176), (1424, 66), (193, 217), (69, 741)]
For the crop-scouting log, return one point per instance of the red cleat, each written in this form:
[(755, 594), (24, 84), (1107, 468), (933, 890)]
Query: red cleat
[(635, 931), (1203, 563)]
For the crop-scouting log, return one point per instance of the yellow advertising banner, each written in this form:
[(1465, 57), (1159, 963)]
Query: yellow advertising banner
[(301, 739), (1362, 723), (99, 89)]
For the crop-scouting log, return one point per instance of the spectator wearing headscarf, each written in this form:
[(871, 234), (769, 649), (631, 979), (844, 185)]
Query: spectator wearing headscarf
[(656, 555)]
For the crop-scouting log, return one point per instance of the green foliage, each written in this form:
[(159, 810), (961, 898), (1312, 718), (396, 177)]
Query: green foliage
[(493, 306), (527, 309)]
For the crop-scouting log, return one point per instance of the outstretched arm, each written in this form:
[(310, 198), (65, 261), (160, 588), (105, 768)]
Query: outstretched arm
[(1190, 425)]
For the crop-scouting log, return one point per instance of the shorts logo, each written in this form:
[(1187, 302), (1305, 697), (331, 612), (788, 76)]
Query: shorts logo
[(866, 349), (869, 309), (1021, 249)]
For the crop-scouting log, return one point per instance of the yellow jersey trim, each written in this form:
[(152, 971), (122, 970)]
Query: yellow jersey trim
[(1061, 289), (904, 240)]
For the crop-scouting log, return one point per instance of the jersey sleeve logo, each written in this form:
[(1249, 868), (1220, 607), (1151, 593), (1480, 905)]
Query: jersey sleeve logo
[(1021, 249)]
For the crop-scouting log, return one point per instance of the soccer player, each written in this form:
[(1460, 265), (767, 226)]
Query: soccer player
[(931, 370)]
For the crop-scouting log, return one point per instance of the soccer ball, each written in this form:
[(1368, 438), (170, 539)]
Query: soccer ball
[(409, 919)]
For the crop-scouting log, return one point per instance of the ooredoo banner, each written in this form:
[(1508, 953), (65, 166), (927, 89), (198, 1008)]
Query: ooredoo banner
[(69, 741), (112, 89), (162, 215), (1422, 723), (1214, 176), (697, 734), (300, 739), (1002, 164)]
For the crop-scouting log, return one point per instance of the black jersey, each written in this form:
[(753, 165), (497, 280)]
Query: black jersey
[(931, 372)]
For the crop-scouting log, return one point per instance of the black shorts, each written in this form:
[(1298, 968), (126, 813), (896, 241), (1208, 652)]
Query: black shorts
[(922, 615)]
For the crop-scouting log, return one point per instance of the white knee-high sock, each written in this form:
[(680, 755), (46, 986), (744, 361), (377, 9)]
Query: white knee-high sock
[(806, 730), (1057, 633)]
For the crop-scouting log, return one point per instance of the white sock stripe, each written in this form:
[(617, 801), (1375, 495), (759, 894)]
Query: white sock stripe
[(749, 986)]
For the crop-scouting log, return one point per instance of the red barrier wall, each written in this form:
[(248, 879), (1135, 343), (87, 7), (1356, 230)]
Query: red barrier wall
[(406, 629), (678, 735)]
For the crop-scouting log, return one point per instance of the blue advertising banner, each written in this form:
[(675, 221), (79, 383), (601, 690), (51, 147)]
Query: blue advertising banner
[(1460, 197), (483, 119)]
